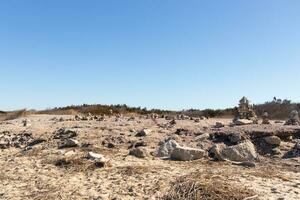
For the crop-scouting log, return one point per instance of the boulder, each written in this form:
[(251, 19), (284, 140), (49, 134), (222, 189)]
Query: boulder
[(166, 148), (273, 140), (187, 153), (139, 152), (244, 151)]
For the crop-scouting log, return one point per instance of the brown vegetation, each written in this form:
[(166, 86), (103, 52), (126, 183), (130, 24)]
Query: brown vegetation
[(4, 116), (205, 186)]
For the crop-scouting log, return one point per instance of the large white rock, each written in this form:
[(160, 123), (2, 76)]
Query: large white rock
[(166, 148), (242, 152), (187, 153)]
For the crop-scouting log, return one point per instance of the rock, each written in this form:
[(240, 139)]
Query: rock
[(297, 146), (187, 154), (96, 157), (245, 164), (139, 152), (235, 138), (241, 152), (205, 145), (71, 153), (26, 123), (111, 145), (265, 118), (219, 125), (245, 111), (68, 143), (166, 148), (99, 160), (143, 133), (64, 134), (241, 122), (138, 144), (204, 136), (173, 122), (294, 152), (273, 140), (20, 140), (36, 141), (197, 120), (182, 131), (293, 119)]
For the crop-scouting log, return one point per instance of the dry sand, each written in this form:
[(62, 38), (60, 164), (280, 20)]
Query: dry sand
[(33, 174)]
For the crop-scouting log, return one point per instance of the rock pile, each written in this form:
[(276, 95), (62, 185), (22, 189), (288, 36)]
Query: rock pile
[(65, 137), (245, 112), (21, 140), (294, 118), (265, 118)]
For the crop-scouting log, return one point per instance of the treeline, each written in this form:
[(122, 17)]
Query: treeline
[(99, 109), (277, 108)]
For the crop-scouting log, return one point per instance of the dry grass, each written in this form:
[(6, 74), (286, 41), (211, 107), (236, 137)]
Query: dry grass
[(202, 186), (13, 115), (133, 170)]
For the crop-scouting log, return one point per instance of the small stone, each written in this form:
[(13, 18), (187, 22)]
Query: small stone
[(219, 125), (182, 131), (139, 152), (241, 122), (143, 133), (273, 140), (96, 157), (235, 138), (202, 137), (69, 143)]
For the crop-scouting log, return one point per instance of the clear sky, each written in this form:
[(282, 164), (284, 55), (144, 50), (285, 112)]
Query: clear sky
[(170, 54)]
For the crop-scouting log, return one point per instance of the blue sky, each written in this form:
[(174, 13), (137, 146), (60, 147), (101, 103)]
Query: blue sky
[(170, 54)]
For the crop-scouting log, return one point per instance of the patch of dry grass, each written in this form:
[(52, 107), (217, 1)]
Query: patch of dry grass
[(13, 115), (133, 170), (202, 186)]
